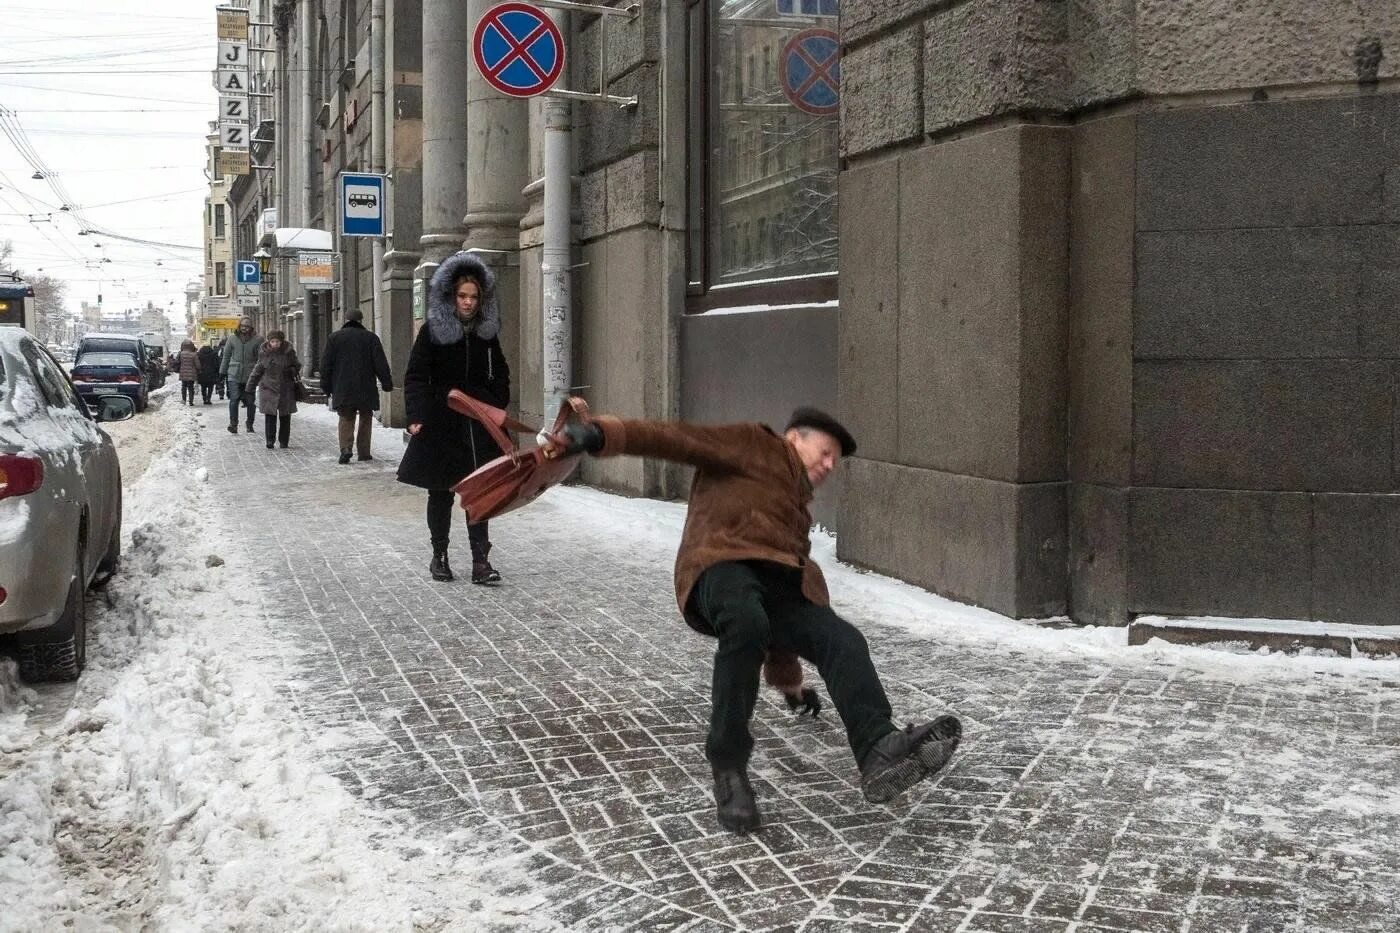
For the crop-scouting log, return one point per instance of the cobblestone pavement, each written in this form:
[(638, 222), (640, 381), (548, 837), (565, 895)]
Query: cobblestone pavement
[(560, 717)]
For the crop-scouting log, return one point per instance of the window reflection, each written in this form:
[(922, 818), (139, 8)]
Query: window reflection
[(774, 151)]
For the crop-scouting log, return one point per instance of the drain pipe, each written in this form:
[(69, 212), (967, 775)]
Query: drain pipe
[(376, 153), (557, 333)]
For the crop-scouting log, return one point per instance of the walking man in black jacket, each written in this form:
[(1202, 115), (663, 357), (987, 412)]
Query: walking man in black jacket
[(350, 366)]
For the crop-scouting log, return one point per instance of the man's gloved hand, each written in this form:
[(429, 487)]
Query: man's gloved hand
[(577, 437), (808, 702)]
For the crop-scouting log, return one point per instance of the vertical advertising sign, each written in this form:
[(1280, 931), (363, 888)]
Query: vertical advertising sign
[(231, 76)]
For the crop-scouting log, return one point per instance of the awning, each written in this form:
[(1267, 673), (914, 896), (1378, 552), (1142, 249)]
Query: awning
[(296, 239)]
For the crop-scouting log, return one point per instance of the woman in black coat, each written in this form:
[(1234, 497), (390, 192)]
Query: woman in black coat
[(457, 348), (208, 372)]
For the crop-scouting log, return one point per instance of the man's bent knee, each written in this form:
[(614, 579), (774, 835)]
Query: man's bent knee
[(743, 624)]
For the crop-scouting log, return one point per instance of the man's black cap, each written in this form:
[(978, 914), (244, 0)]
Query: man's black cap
[(815, 418)]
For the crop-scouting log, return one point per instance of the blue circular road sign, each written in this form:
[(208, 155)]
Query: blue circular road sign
[(811, 71), (518, 49)]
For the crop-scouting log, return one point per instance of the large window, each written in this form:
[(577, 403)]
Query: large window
[(763, 150), (218, 221)]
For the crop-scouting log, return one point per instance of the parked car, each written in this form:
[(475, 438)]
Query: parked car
[(60, 508), (124, 343), (109, 373)]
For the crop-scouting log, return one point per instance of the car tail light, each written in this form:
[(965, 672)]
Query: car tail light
[(3, 595), (20, 474), (80, 377), (128, 378)]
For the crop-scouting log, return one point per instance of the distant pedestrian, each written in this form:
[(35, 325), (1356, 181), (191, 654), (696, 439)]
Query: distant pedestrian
[(456, 348), (274, 378), (351, 366), (220, 384), (239, 357), (187, 363), (745, 576), (208, 372)]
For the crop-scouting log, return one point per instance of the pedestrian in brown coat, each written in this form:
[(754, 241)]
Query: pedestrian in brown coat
[(744, 575), (187, 362), (275, 378)]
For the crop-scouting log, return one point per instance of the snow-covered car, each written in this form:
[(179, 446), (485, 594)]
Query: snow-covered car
[(60, 508)]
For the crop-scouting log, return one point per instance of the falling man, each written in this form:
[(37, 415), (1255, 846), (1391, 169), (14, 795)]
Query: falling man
[(744, 575)]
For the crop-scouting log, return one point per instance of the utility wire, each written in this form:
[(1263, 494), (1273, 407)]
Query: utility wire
[(86, 93)]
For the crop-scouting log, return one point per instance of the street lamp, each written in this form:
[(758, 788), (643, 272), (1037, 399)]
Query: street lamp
[(264, 259)]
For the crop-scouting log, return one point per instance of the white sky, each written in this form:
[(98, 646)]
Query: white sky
[(115, 98)]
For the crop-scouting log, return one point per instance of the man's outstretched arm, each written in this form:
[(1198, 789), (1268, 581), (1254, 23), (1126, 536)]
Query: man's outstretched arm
[(711, 447)]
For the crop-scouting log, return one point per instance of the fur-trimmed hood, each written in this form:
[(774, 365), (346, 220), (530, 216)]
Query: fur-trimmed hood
[(444, 328)]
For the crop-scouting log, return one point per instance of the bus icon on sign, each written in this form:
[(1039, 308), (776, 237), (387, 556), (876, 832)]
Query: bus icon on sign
[(361, 201)]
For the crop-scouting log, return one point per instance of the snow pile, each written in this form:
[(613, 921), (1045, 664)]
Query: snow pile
[(178, 792), (15, 699)]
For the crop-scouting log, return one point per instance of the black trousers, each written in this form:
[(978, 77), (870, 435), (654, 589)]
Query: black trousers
[(755, 605), (278, 428), (440, 505), (187, 391), (206, 391)]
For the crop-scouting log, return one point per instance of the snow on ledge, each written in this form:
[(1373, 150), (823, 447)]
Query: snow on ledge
[(1277, 626), (754, 309)]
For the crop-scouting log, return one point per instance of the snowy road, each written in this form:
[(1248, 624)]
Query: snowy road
[(313, 736)]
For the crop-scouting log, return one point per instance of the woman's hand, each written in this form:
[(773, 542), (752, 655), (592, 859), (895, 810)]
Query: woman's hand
[(414, 428)]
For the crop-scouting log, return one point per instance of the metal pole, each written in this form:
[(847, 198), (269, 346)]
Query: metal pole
[(376, 148), (557, 370)]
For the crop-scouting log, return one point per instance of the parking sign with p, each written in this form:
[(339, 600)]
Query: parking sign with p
[(362, 206)]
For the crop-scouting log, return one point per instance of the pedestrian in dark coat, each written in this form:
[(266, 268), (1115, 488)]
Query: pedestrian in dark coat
[(351, 366), (274, 378), (456, 348), (745, 575), (208, 372), (187, 365)]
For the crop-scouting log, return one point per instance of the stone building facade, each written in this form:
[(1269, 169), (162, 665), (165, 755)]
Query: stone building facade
[(1107, 289)]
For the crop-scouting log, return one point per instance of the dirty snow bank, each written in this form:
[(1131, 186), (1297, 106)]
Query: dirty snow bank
[(179, 792)]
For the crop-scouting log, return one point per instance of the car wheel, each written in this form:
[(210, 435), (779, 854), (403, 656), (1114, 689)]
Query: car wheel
[(59, 652), (142, 401), (108, 566)]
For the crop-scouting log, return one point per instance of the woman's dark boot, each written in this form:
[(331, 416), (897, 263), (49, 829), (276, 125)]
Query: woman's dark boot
[(439, 567), (482, 571)]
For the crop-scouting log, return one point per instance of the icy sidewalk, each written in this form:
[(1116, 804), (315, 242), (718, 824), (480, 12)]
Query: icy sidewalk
[(179, 792), (560, 717)]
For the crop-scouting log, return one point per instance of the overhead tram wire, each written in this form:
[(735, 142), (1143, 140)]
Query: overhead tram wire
[(12, 129), (87, 93)]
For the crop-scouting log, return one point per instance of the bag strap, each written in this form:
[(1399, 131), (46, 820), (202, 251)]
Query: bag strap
[(575, 405), (496, 421)]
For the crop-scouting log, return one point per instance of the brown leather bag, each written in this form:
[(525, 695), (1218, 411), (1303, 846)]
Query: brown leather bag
[(519, 476)]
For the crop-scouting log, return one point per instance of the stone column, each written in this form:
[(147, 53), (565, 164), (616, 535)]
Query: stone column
[(498, 150), (953, 301), (403, 120), (447, 67)]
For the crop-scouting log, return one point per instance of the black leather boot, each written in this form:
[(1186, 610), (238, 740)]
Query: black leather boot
[(439, 567), (904, 758), (482, 571), (344, 456), (734, 803)]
